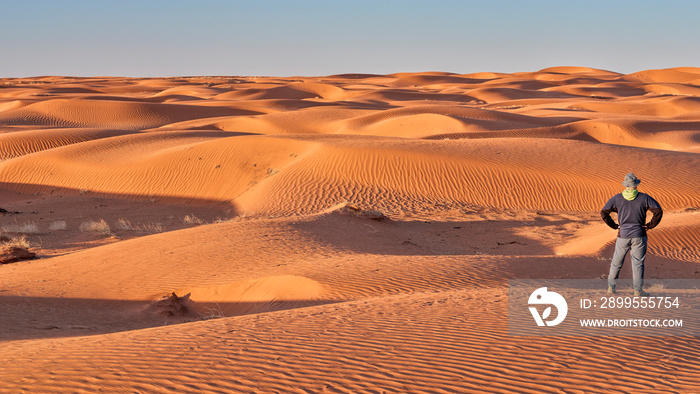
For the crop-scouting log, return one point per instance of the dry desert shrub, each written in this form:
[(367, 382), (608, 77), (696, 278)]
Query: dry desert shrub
[(212, 313), (26, 228), (14, 250), (352, 209), (19, 242), (92, 226), (123, 224), (152, 227), (171, 305), (508, 107), (57, 225), (29, 228), (191, 219)]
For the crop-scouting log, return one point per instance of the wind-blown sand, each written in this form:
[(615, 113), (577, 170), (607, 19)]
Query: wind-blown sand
[(255, 200)]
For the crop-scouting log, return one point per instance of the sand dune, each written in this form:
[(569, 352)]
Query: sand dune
[(689, 75), (347, 233), (658, 106), (491, 95), (436, 78), (112, 114), (291, 91), (168, 165), (674, 135), (403, 176), (677, 238), (398, 344), (26, 142), (400, 119)]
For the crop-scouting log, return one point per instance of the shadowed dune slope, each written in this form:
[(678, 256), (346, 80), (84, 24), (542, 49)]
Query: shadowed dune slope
[(108, 114), (19, 144), (673, 135)]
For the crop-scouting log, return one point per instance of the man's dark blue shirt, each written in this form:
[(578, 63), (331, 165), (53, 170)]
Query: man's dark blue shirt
[(632, 214)]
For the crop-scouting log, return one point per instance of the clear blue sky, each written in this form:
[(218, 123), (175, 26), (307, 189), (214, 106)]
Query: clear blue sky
[(322, 37)]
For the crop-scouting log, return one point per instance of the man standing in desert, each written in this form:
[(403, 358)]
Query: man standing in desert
[(631, 207)]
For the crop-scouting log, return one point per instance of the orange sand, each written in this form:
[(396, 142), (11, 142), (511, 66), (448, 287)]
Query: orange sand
[(231, 190)]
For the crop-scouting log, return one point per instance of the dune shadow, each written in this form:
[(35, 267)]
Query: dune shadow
[(23, 318), (430, 237), (45, 190), (58, 221)]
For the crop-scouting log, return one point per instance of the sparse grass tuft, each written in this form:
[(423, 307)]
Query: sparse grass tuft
[(153, 227), (26, 228), (191, 219), (92, 226), (125, 225), (508, 107), (240, 217), (58, 225), (212, 313), (29, 228)]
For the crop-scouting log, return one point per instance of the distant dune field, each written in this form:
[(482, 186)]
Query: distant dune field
[(344, 234)]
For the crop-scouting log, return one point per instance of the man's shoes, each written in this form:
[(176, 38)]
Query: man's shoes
[(611, 289), (641, 293)]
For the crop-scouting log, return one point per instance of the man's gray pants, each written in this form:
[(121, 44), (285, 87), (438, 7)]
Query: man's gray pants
[(638, 252)]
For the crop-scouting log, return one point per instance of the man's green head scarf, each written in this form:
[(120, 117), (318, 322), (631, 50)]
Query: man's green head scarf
[(630, 194)]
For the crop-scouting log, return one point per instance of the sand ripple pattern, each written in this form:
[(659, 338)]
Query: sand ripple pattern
[(425, 343)]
